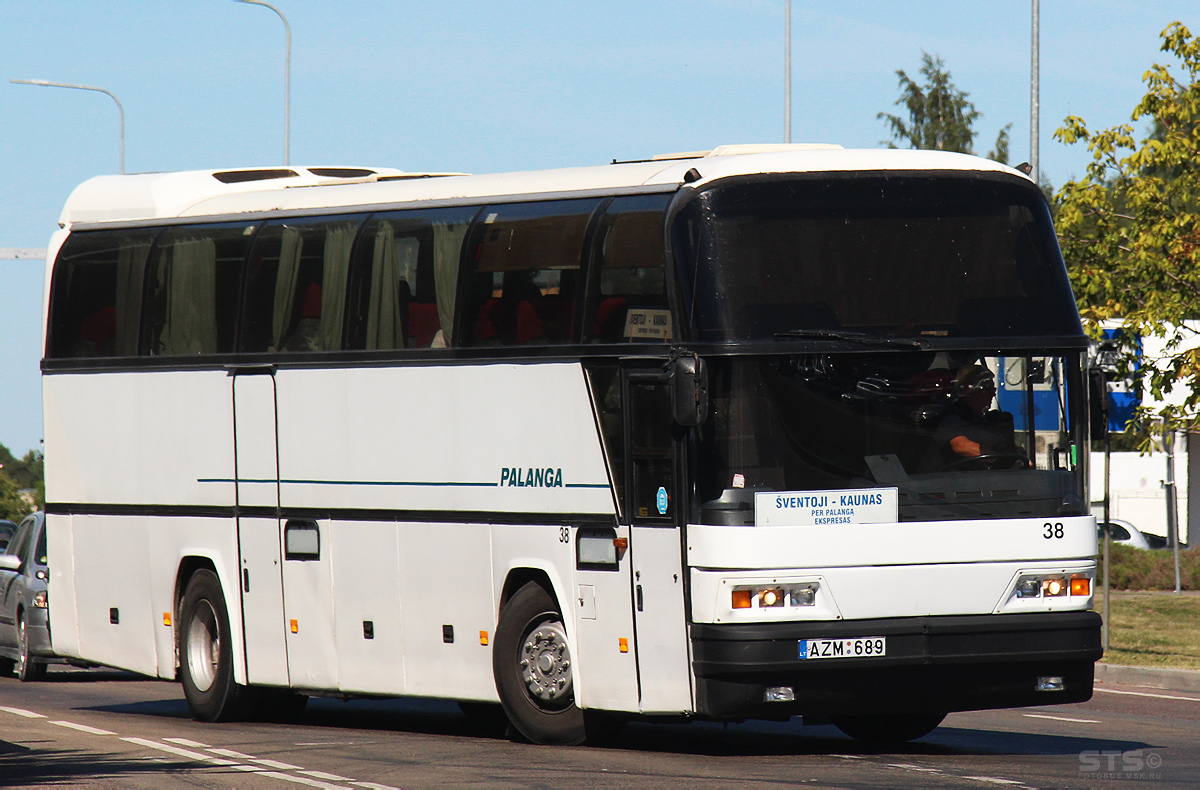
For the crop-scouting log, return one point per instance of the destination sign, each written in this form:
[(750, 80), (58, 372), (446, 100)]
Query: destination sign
[(820, 508)]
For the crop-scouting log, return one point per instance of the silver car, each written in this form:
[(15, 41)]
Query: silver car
[(24, 616)]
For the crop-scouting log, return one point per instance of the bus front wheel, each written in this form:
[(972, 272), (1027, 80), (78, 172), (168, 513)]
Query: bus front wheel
[(888, 728), (532, 667), (205, 652)]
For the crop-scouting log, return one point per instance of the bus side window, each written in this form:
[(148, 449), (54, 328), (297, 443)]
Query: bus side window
[(296, 289), (405, 278), (523, 284), (96, 293), (629, 300), (195, 278)]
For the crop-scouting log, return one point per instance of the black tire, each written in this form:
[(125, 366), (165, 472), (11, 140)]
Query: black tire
[(889, 728), (27, 668), (532, 666), (206, 655)]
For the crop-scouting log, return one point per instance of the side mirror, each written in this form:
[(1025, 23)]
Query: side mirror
[(689, 390), (1099, 403)]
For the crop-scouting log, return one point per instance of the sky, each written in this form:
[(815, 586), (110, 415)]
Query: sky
[(471, 86)]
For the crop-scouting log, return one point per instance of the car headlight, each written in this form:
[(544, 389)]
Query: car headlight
[(40, 599)]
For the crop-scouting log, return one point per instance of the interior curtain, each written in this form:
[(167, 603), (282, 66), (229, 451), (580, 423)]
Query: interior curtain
[(339, 239), (447, 247), (130, 259), (383, 311), (190, 325), (286, 277)]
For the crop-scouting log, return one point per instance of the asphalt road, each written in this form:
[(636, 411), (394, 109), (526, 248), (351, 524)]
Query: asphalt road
[(100, 728)]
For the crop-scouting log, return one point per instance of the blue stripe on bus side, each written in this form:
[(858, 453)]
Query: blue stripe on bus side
[(377, 483)]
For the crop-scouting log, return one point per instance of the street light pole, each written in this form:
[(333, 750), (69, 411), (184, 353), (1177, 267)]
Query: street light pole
[(287, 78), (120, 109), (1034, 89), (787, 72)]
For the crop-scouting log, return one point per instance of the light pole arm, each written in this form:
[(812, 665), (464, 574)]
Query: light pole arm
[(287, 77), (108, 93)]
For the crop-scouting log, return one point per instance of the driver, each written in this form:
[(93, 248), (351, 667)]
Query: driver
[(969, 428)]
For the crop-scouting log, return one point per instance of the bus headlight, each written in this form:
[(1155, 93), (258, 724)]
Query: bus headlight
[(1053, 585), (773, 596)]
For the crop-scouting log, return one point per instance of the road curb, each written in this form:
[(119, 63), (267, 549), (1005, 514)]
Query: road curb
[(1152, 677)]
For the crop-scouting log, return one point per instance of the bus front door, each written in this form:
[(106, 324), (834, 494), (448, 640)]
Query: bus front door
[(653, 493), (257, 506)]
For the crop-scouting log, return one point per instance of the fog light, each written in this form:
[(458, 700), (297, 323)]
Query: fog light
[(1029, 587), (1081, 585), (779, 694), (1054, 587), (804, 596), (1049, 683), (740, 599)]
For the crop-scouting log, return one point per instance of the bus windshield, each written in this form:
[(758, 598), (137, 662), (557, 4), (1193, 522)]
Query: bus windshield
[(885, 255), (950, 430)]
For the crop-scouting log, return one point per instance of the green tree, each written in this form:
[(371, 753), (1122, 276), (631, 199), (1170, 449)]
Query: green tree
[(940, 116), (17, 476), (1130, 231)]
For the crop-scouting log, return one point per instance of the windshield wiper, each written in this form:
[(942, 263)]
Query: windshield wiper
[(853, 337)]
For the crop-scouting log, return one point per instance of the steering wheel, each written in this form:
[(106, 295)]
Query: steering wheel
[(996, 461)]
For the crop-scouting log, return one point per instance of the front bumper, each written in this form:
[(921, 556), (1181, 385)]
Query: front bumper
[(933, 664)]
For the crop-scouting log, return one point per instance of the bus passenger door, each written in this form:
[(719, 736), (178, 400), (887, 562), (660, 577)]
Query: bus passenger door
[(653, 493), (257, 474)]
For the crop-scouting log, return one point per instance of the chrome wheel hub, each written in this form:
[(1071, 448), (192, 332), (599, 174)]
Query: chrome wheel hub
[(546, 663), (203, 646)]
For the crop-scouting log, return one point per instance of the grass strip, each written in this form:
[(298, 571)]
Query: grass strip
[(1153, 629)]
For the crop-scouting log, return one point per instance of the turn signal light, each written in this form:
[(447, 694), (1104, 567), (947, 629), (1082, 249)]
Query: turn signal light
[(1081, 585), (741, 599)]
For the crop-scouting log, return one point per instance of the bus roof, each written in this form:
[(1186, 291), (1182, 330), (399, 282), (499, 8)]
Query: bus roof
[(201, 193)]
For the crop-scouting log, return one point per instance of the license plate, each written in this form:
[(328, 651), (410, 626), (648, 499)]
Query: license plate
[(858, 647)]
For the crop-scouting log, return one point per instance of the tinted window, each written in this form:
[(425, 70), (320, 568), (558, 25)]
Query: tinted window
[(195, 279), (523, 283), (39, 553), (296, 285), (631, 300), (95, 293), (901, 255), (406, 277)]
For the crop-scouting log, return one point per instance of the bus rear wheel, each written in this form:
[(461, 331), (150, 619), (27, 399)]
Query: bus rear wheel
[(205, 652), (888, 728), (532, 667)]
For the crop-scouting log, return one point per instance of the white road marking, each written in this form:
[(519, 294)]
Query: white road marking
[(325, 776), (22, 712), (83, 728), (1060, 718), (276, 765), (231, 753), (162, 747), (186, 742), (920, 768), (993, 780), (1145, 694), (301, 780), (373, 786)]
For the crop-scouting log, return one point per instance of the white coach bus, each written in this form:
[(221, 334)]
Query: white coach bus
[(673, 438)]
